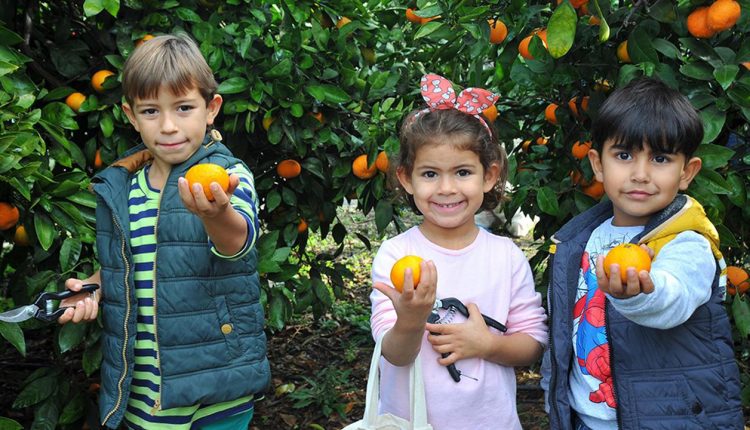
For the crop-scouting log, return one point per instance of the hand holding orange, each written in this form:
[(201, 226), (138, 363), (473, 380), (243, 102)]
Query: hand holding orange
[(205, 174), (399, 268), (627, 255)]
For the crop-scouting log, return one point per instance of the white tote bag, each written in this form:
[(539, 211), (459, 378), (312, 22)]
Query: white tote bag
[(373, 421)]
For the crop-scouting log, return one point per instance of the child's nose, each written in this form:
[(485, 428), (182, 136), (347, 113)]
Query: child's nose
[(640, 171), (447, 184), (167, 124)]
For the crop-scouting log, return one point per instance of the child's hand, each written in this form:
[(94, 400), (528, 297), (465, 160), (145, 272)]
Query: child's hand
[(637, 282), (81, 307), (414, 304), (196, 201), (459, 341)]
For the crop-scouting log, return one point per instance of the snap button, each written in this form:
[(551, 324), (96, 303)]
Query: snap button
[(226, 328), (697, 408)]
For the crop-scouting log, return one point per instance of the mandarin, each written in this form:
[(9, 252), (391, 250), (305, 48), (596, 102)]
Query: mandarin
[(8, 216), (549, 113), (737, 280), (622, 52), (267, 121), (342, 22), (205, 174), (697, 23), (97, 80), (98, 163), (289, 169), (21, 237), (361, 168), (627, 255), (413, 17), (723, 14), (302, 226), (595, 190), (490, 113), (580, 150), (382, 162), (498, 31), (573, 105), (75, 100), (399, 268)]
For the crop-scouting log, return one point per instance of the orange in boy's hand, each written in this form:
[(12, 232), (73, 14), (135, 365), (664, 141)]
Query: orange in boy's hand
[(205, 174), (398, 269), (627, 255)]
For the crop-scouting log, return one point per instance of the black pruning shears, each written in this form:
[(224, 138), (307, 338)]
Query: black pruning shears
[(452, 304), (45, 307)]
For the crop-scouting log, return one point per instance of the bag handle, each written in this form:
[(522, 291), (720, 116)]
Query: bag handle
[(417, 402)]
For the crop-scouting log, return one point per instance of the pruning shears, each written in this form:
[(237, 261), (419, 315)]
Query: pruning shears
[(452, 304), (45, 307)]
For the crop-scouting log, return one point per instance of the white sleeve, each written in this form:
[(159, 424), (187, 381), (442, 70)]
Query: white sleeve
[(683, 273)]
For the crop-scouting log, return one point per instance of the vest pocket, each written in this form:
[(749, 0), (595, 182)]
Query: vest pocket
[(227, 327), (667, 402)]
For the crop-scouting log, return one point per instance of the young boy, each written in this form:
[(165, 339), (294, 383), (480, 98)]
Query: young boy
[(655, 352), (183, 343)]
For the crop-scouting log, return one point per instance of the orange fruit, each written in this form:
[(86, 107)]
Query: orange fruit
[(578, 3), (549, 113), (412, 17), (498, 31), (723, 14), (302, 226), (746, 64), (526, 145), (580, 150), (541, 140), (622, 52), (697, 23), (381, 163), (318, 116), (20, 237), (399, 268), (289, 169), (594, 20), (8, 215), (206, 174), (267, 121), (490, 113), (602, 85), (523, 48), (98, 163), (98, 80), (75, 100), (573, 105), (627, 255), (424, 21), (361, 169), (145, 38), (595, 190), (737, 280), (342, 22)]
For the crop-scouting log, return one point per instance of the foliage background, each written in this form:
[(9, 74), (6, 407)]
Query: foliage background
[(287, 60)]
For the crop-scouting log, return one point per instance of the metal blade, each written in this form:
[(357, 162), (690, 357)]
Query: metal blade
[(19, 314)]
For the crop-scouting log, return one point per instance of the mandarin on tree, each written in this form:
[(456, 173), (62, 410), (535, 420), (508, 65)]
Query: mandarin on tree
[(580, 150), (342, 22), (627, 255), (289, 169), (98, 163), (361, 169), (75, 100), (399, 268), (382, 162), (498, 31), (302, 226), (205, 174), (697, 23), (319, 117), (8, 216), (267, 121), (573, 105), (622, 52), (97, 80), (490, 113), (412, 17), (145, 38), (20, 237), (723, 14), (595, 190), (737, 280), (549, 113)]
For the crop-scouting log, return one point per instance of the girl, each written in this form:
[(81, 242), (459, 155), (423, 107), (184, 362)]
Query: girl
[(450, 165)]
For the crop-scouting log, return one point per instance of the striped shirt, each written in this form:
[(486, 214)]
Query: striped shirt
[(142, 411)]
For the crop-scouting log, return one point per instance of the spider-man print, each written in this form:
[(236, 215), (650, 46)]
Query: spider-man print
[(591, 338)]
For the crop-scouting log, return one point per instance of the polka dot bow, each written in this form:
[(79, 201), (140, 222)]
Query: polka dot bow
[(439, 94)]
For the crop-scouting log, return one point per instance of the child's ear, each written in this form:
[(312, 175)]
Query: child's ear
[(131, 117), (405, 180), (596, 164), (692, 167), (214, 105), (491, 175)]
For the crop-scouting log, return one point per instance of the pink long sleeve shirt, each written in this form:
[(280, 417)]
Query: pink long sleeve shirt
[(494, 274)]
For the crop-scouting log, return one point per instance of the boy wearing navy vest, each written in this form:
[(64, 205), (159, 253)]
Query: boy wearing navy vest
[(183, 344), (654, 352)]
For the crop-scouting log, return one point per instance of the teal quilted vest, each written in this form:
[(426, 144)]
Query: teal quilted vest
[(209, 319)]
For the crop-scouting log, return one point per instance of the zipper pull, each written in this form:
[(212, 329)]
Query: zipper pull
[(157, 407)]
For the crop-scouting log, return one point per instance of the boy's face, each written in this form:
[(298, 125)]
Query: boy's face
[(172, 126), (641, 182)]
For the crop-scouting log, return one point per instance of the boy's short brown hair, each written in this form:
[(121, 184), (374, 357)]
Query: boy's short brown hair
[(170, 60)]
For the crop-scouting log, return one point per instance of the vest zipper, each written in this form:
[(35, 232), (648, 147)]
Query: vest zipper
[(125, 324), (612, 362), (552, 367), (157, 402)]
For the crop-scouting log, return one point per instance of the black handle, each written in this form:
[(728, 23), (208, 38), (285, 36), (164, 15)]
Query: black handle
[(458, 304), (41, 302), (455, 374)]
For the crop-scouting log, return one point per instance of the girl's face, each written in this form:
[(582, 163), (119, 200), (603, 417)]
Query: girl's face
[(448, 186)]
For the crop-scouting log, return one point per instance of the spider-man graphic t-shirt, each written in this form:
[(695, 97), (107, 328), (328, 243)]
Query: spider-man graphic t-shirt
[(591, 386)]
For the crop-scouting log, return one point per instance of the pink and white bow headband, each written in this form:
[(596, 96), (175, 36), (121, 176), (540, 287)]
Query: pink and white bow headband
[(439, 94)]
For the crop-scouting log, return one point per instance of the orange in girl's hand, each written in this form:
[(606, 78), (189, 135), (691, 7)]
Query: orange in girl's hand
[(398, 269), (627, 255), (205, 174)]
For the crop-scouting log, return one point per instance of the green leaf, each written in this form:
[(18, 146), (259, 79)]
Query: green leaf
[(664, 11), (321, 291), (713, 182), (328, 93), (187, 15), (45, 230), (107, 124), (561, 30), (640, 46), (9, 424), (13, 334), (383, 214), (547, 201), (725, 74), (92, 358), (74, 410), (713, 122), (738, 196), (281, 70), (233, 85), (93, 7), (112, 6), (71, 335), (8, 37), (713, 156), (70, 252), (36, 391), (273, 200), (741, 314)]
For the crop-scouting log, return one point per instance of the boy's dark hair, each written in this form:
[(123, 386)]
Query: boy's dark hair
[(171, 60), (647, 111), (451, 126)]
